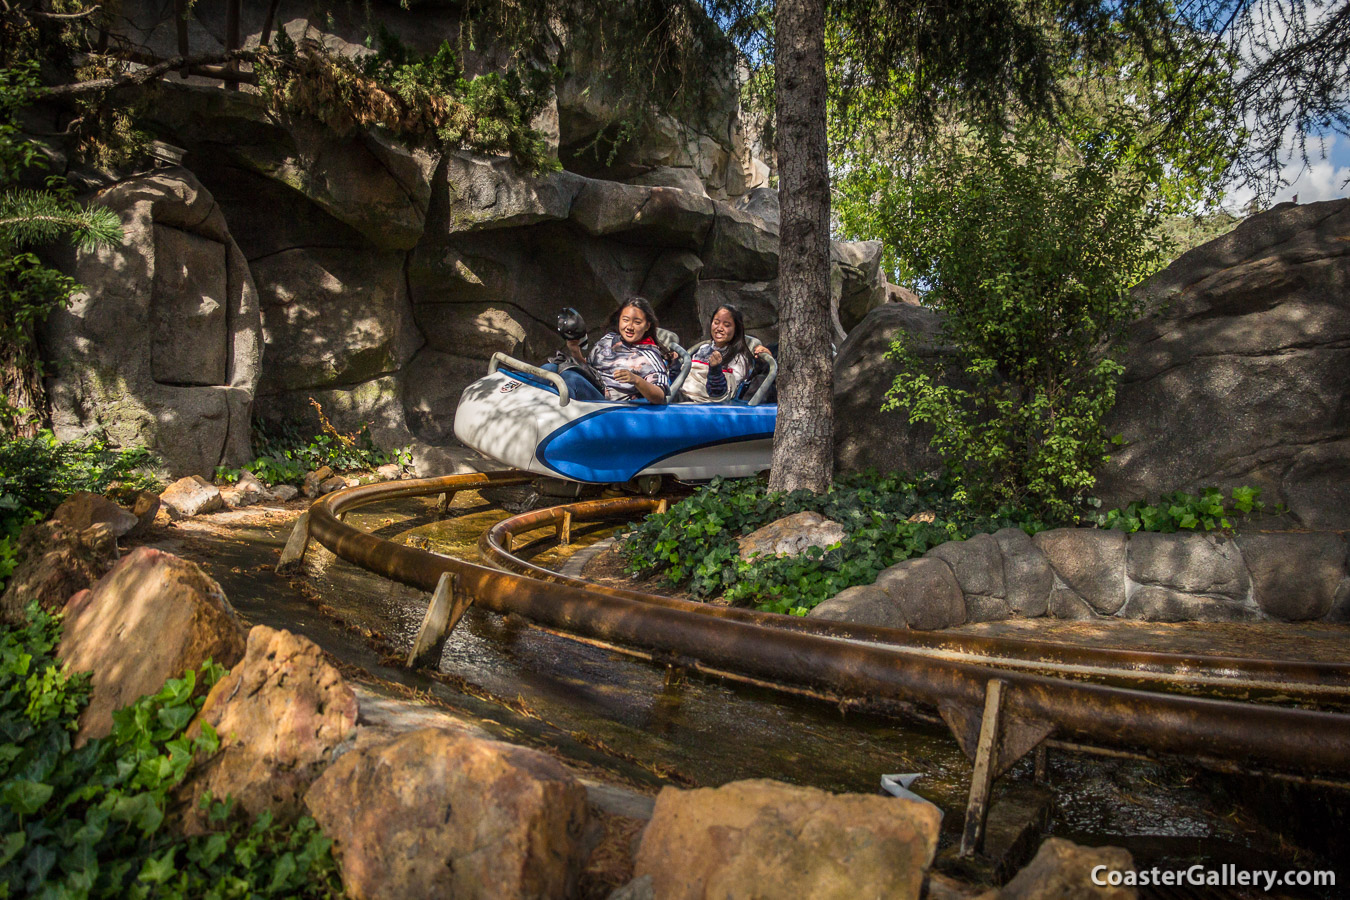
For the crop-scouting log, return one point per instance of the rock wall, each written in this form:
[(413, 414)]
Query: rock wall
[(380, 279), (1237, 373), (1085, 573)]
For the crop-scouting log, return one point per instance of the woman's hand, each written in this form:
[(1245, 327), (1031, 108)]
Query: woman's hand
[(715, 358), (760, 348), (574, 350), (650, 392)]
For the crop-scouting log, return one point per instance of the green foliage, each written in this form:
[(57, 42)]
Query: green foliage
[(1179, 511), (37, 473), (1031, 260), (289, 450), (416, 97), (694, 544), (90, 822)]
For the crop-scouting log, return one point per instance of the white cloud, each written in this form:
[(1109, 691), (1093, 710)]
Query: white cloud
[(1323, 177)]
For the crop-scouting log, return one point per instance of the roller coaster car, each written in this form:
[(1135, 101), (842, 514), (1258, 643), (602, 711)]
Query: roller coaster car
[(523, 416)]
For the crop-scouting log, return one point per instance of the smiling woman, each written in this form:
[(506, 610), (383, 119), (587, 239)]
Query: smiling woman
[(629, 360)]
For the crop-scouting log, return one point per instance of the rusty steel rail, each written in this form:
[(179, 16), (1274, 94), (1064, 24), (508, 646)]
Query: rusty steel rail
[(1261, 735), (1296, 679)]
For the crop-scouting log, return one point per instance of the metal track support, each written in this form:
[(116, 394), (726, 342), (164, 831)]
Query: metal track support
[(982, 779), (443, 504), (564, 528), (293, 556), (446, 608)]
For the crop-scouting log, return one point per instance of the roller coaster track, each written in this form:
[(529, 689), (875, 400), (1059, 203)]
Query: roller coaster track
[(1001, 697)]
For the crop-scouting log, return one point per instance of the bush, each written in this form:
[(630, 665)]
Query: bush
[(90, 822), (37, 473), (1030, 256), (288, 450)]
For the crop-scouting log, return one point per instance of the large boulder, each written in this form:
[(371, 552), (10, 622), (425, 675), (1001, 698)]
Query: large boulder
[(280, 714), (1090, 562), (151, 618), (56, 561), (916, 593), (791, 536), (162, 349), (767, 839), (1294, 576), (864, 436), (1237, 372), (433, 813)]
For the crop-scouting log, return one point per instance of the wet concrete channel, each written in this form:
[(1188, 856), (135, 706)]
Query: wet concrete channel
[(644, 724)]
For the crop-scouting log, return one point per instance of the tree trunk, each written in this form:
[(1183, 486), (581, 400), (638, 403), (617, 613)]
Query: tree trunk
[(803, 443), (20, 389)]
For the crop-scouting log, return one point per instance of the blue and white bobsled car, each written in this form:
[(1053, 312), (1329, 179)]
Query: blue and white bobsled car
[(523, 416)]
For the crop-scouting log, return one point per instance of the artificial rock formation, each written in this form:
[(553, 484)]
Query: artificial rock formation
[(163, 347), (1086, 573), (1236, 373)]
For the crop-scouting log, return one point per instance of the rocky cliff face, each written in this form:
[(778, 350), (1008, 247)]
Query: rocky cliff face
[(381, 278), (1237, 373)]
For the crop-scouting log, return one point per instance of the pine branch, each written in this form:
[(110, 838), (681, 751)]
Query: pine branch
[(37, 217)]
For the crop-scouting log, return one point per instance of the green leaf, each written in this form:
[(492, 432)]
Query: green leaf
[(25, 797), (158, 869)]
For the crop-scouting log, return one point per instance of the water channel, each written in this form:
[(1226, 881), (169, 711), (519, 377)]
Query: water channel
[(644, 724)]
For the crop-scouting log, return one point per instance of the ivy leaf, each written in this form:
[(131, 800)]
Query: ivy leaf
[(10, 845), (25, 797), (158, 870)]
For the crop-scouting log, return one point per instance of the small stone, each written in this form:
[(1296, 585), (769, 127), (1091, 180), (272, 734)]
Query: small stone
[(389, 472), (145, 509), (310, 487), (285, 492), (335, 483), (82, 509), (926, 515), (791, 536), (191, 496)]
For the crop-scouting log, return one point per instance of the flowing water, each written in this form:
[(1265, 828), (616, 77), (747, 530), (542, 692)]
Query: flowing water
[(647, 724)]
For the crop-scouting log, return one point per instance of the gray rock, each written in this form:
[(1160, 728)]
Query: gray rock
[(862, 287), (1294, 576), (285, 492), (740, 247), (431, 394), (1250, 331), (1340, 604), (1062, 869), (864, 436), (1191, 563), (987, 609), (1027, 575), (927, 592), (757, 301), (191, 496), (169, 322), (791, 536), (660, 216), (1090, 561), (864, 604), (1155, 603), (487, 193), (682, 177), (977, 564), (376, 403), (1063, 603), (761, 203), (333, 317), (335, 483)]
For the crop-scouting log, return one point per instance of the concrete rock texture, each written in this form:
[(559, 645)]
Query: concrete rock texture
[(148, 620), (163, 347), (764, 839), (438, 814)]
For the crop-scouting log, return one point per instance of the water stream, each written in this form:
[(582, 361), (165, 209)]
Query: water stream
[(647, 724)]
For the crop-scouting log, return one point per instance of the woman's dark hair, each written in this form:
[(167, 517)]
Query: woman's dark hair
[(645, 307), (737, 346)]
